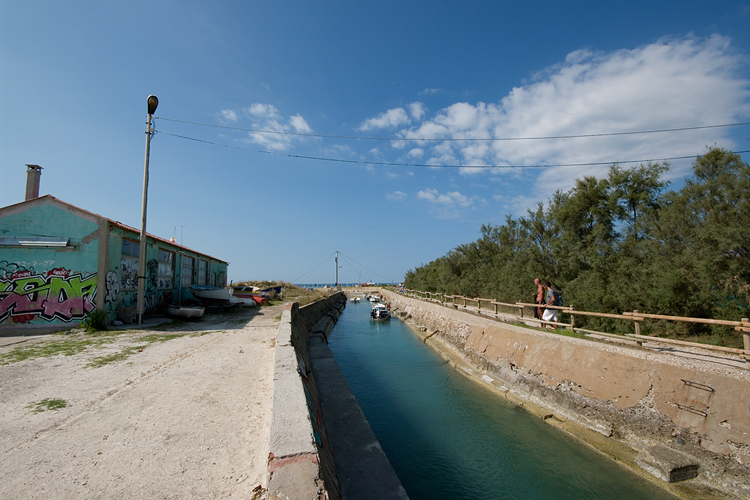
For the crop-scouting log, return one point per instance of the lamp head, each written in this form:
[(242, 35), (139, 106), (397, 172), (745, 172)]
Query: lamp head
[(153, 102)]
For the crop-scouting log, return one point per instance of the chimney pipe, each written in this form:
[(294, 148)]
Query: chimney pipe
[(32, 181)]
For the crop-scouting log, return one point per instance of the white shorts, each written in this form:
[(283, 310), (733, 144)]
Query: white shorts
[(550, 315)]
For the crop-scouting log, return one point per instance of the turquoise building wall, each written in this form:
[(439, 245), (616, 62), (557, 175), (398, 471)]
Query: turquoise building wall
[(47, 286), (40, 285)]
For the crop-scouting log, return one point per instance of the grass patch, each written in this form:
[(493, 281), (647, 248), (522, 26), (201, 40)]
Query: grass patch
[(67, 347), (129, 351), (47, 404), (114, 358), (559, 331)]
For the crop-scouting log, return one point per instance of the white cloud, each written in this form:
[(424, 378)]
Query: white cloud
[(449, 205), (268, 111), (396, 196), (671, 83), (429, 91), (452, 198), (416, 110), (274, 129), (300, 125), (391, 118), (229, 115)]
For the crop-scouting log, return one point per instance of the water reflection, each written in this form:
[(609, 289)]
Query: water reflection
[(449, 438)]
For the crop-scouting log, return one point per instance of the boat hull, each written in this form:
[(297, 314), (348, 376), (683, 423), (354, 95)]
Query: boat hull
[(186, 312), (210, 293)]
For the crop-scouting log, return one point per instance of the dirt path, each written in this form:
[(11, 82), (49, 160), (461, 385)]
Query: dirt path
[(186, 417)]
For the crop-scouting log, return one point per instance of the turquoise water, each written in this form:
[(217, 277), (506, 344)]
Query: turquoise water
[(449, 438)]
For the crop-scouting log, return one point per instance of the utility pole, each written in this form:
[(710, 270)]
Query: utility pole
[(338, 287), (152, 102)]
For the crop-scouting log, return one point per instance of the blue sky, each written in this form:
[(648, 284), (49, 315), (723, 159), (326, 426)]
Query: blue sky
[(353, 100)]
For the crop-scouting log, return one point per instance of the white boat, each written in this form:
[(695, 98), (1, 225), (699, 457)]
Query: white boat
[(211, 293), (355, 299), (374, 299), (187, 312), (380, 312)]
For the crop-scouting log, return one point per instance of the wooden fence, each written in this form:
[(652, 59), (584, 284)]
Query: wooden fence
[(491, 307)]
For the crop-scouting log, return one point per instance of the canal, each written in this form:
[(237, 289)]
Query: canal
[(448, 437)]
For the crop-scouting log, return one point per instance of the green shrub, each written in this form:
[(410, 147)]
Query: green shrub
[(95, 321)]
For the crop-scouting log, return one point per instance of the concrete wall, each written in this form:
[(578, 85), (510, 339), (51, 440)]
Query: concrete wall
[(321, 446), (624, 401)]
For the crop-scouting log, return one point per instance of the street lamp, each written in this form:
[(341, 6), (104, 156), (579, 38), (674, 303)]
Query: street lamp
[(153, 102)]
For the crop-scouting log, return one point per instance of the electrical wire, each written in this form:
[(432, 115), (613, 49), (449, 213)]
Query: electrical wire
[(576, 136), (399, 164), (341, 254), (313, 269)]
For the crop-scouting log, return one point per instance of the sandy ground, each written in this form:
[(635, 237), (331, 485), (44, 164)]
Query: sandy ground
[(185, 418)]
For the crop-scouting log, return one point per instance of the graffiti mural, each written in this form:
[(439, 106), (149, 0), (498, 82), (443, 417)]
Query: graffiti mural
[(113, 286), (8, 268), (56, 294), (152, 269)]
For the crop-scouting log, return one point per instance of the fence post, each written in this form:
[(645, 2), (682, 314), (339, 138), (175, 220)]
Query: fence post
[(746, 336), (637, 322), (572, 320)]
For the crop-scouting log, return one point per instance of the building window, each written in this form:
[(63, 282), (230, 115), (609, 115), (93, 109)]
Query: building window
[(129, 265), (166, 270), (186, 278), (202, 272)]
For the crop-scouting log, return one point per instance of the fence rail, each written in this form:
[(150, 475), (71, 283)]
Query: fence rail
[(491, 307)]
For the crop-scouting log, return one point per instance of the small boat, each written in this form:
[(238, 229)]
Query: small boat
[(374, 298), (260, 300), (270, 292), (211, 293), (247, 291), (380, 312), (355, 299), (187, 312)]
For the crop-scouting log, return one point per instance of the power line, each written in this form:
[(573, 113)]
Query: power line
[(420, 165), (313, 269), (576, 136), (344, 256)]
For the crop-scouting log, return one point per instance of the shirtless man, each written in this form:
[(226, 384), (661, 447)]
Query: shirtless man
[(538, 298)]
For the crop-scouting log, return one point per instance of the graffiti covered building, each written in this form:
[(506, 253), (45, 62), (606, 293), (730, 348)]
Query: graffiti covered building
[(59, 262)]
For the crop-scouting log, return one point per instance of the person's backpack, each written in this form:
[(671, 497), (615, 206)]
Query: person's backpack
[(559, 301)]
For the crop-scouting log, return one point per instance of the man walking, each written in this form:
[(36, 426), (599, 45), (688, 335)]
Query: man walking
[(538, 298), (552, 299)]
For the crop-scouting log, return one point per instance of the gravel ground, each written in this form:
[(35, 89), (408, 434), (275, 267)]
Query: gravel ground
[(187, 417)]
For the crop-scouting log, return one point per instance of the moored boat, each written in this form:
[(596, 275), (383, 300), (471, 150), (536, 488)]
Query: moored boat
[(380, 312)]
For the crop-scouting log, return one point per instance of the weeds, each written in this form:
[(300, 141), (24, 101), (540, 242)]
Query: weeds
[(47, 404), (67, 347), (95, 321)]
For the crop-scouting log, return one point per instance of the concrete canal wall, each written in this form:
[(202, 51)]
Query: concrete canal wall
[(321, 445), (661, 415)]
